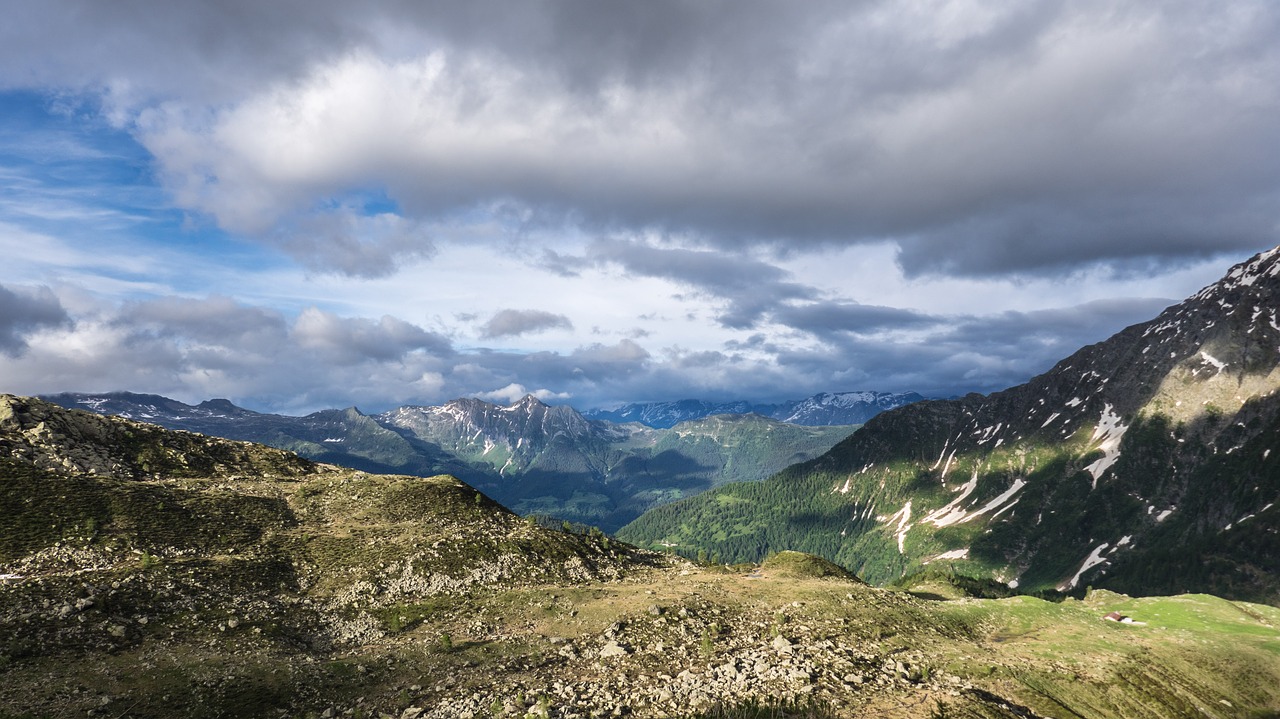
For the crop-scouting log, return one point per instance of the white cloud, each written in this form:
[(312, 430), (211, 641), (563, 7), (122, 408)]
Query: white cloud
[(515, 392)]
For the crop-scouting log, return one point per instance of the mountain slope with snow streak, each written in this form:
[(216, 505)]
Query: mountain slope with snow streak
[(1144, 462)]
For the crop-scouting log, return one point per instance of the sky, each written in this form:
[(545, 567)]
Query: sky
[(307, 204)]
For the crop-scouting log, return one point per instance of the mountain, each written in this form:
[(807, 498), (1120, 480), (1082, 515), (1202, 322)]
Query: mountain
[(827, 408), (347, 437), (1144, 463), (150, 573), (532, 457)]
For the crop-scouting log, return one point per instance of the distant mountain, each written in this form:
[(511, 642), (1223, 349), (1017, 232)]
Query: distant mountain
[(530, 456), (1147, 463), (827, 408)]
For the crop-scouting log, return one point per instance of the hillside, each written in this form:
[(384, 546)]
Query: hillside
[(530, 456), (149, 573), (1143, 463)]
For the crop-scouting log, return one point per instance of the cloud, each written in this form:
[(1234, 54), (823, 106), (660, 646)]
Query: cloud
[(1010, 138), (197, 348), (356, 245), (510, 323), (717, 172), (355, 339), (516, 392), (750, 287), (213, 320), (26, 310), (824, 318)]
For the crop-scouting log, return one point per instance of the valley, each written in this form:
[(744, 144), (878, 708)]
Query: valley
[(532, 457)]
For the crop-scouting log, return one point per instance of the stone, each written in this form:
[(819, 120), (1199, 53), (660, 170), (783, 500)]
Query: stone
[(613, 649), (781, 645)]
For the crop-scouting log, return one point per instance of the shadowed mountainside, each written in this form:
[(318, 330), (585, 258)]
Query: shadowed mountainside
[(1143, 463)]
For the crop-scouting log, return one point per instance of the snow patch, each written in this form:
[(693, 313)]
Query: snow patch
[(941, 455), (904, 524), (1107, 436), (1075, 402), (1220, 365), (1094, 559), (953, 554), (1018, 484), (951, 513), (947, 466)]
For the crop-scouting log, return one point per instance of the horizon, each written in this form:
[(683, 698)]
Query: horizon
[(599, 205)]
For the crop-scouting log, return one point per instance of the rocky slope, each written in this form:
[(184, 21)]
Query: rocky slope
[(826, 408), (530, 456), (1144, 463), (148, 573)]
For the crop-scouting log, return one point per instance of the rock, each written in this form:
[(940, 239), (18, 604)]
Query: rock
[(613, 649), (781, 645)]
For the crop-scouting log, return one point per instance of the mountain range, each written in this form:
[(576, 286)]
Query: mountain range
[(1144, 463), (826, 408), (150, 573), (532, 457)]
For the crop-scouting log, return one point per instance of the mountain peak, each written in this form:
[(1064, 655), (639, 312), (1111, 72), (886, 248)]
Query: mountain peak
[(219, 405), (527, 401)]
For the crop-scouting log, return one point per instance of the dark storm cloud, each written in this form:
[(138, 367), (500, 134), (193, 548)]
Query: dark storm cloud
[(510, 323), (25, 311), (825, 318), (984, 139), (961, 354), (750, 287), (1060, 330)]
